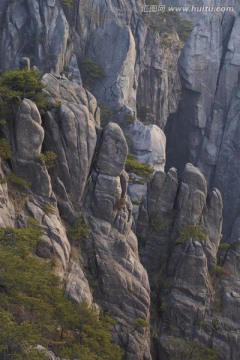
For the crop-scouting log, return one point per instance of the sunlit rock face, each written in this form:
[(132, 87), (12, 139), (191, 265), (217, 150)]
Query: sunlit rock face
[(148, 144)]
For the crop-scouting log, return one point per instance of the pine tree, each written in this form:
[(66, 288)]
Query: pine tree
[(18, 85)]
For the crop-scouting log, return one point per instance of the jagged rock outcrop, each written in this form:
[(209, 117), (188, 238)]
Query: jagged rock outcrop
[(117, 87), (55, 242), (179, 266), (193, 286), (38, 30), (155, 220), (169, 208), (26, 140), (88, 176), (148, 144), (29, 132), (158, 84), (202, 132), (7, 211), (58, 39), (123, 286), (70, 132)]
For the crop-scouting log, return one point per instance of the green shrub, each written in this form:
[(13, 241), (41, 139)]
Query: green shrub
[(217, 305), (79, 230), (164, 308), (219, 271), (143, 113), (3, 122), (32, 222), (16, 180), (5, 149), (23, 240), (160, 278), (134, 180), (136, 202), (16, 85), (224, 246), (129, 119), (34, 309), (67, 3), (181, 349), (138, 168), (106, 114), (48, 158), (129, 141), (49, 209), (183, 27), (17, 341), (141, 323), (91, 72), (196, 232), (157, 224), (57, 104), (201, 323), (166, 23), (215, 324)]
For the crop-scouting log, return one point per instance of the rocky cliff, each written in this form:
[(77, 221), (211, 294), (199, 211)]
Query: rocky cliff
[(206, 116), (88, 169)]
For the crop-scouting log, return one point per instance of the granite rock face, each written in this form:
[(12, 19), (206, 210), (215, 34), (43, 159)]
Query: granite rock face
[(26, 141), (72, 132), (38, 30), (7, 210), (59, 40), (204, 130), (109, 212), (29, 132), (88, 177), (116, 88), (70, 128), (158, 259), (170, 207), (148, 144), (189, 291)]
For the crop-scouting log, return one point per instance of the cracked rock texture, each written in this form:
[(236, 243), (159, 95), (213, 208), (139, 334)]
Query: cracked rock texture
[(88, 177), (148, 144), (70, 128), (153, 250), (135, 63), (189, 292), (204, 130)]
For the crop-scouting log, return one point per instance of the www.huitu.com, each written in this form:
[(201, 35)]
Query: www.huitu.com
[(192, 8)]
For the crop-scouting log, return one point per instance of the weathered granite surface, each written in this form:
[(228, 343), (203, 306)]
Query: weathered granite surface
[(204, 130)]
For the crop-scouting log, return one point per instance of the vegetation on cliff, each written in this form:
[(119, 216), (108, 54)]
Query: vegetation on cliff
[(16, 85), (67, 3), (141, 169), (34, 309), (193, 231), (181, 349), (91, 72), (167, 22)]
